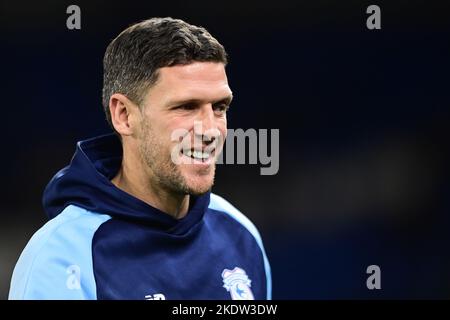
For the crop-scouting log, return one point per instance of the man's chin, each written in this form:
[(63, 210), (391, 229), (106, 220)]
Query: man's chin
[(198, 183), (198, 188), (198, 193)]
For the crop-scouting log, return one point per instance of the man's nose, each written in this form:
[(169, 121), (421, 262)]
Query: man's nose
[(206, 127)]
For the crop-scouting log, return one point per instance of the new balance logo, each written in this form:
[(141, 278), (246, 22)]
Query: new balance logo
[(156, 296)]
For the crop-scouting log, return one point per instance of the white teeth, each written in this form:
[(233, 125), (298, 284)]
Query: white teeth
[(197, 154), (200, 155)]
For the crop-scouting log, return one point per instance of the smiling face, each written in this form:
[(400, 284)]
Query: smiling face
[(183, 125)]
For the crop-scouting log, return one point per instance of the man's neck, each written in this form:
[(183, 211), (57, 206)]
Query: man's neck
[(132, 182)]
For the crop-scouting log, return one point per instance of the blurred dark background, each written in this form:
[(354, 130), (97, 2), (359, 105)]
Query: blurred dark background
[(363, 118)]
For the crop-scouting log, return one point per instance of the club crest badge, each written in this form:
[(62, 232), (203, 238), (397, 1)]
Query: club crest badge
[(237, 284)]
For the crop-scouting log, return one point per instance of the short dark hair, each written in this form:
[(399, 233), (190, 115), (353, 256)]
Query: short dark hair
[(132, 59)]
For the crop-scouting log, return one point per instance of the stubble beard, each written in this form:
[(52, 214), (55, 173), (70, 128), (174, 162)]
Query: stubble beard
[(165, 172)]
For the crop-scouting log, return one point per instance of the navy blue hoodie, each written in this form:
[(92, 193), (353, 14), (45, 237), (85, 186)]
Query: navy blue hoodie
[(103, 243)]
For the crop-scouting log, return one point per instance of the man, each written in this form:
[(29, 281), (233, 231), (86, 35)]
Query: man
[(132, 216)]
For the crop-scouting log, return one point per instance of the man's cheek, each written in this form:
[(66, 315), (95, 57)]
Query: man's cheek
[(175, 144)]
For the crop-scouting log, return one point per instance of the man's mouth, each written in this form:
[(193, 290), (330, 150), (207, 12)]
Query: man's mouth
[(199, 155)]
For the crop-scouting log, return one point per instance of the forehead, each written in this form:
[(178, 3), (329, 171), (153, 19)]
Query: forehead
[(202, 80)]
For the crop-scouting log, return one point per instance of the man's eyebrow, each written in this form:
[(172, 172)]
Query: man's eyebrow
[(227, 100)]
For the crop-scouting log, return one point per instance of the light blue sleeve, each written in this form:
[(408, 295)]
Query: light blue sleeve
[(220, 204), (57, 261)]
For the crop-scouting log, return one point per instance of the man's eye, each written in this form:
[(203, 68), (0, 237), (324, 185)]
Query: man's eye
[(188, 106), (222, 108)]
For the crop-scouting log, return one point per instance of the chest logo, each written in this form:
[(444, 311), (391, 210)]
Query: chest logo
[(156, 296), (237, 284)]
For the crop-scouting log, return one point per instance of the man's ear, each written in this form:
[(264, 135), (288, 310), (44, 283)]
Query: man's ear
[(123, 114)]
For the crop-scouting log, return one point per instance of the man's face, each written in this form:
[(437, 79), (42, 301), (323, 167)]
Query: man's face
[(184, 125)]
